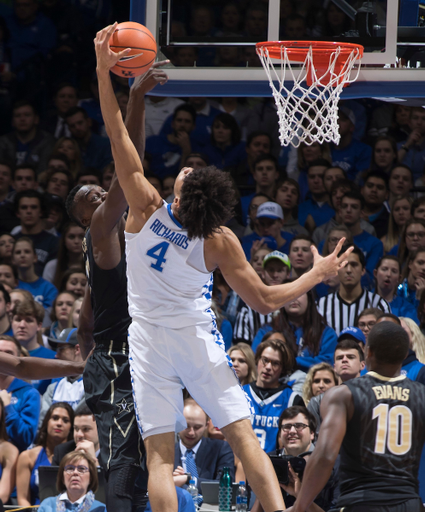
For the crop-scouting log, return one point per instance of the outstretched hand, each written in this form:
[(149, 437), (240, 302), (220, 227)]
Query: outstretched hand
[(106, 58), (330, 265), (154, 76)]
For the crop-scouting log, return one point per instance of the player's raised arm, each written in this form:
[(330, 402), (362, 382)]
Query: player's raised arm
[(140, 194), (225, 251)]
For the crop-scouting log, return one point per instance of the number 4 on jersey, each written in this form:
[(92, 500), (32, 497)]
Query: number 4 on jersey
[(157, 253)]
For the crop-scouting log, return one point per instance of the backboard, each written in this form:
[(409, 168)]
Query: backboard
[(211, 44)]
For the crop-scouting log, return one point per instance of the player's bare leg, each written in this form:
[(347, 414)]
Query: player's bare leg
[(160, 461), (256, 464)]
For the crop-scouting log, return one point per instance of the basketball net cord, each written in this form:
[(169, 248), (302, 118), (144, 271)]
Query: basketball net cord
[(307, 113)]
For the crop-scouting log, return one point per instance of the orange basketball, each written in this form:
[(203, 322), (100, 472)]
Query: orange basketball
[(143, 49)]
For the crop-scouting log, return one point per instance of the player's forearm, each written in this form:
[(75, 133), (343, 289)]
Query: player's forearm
[(35, 368), (135, 121), (111, 113)]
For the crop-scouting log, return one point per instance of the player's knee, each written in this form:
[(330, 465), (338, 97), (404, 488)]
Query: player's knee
[(123, 482)]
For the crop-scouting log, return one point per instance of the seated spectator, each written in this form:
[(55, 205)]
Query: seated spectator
[(366, 320), (243, 361), (256, 201), (61, 310), (330, 176), (95, 150), (413, 277), (89, 176), (258, 255), (77, 482), (350, 154), (31, 209), (6, 246), (59, 183), (387, 275), (399, 215), (412, 150), (69, 147), (300, 321), (400, 181), (411, 239), (340, 308), (70, 253), (24, 258), (384, 154), (5, 180), (375, 194), (268, 396), (9, 276), (158, 110), (74, 316), (300, 255), (417, 338), (26, 143), (65, 98), (202, 457), (226, 299), (85, 438), (315, 210), (5, 327), (55, 215), (108, 174), (268, 225), (24, 178), (21, 401), (288, 197), (8, 458), (74, 280), (320, 378), (55, 429), (17, 296)]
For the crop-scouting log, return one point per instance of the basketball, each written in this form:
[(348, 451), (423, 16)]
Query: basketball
[(143, 49)]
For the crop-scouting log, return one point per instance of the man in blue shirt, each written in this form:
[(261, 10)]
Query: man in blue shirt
[(375, 193)]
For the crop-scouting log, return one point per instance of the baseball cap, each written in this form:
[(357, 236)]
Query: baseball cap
[(348, 113), (66, 337), (352, 332), (270, 210), (277, 255)]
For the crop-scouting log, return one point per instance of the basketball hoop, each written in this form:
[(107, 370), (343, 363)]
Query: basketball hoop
[(308, 112)]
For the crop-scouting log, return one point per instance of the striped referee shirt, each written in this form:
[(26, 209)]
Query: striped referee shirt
[(340, 314), (247, 324)]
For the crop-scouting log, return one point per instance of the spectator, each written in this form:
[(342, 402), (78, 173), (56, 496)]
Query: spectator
[(243, 361), (70, 253), (74, 315), (351, 210), (202, 457), (27, 143), (85, 436), (300, 322), (25, 258), (413, 277), (387, 275), (17, 296), (366, 320), (59, 183), (268, 396), (349, 359), (315, 210), (341, 308), (384, 154), (158, 110), (320, 378), (24, 178), (411, 152), (108, 174), (69, 147), (417, 338), (300, 255), (65, 99), (6, 247), (30, 209), (21, 401), (418, 208), (256, 201), (8, 456), (55, 215), (89, 176), (55, 429), (256, 23), (411, 239), (9, 276), (331, 175), (77, 482), (74, 280), (400, 214), (350, 154), (288, 197), (62, 307), (5, 327), (205, 115), (8, 219), (400, 181), (95, 150), (5, 180), (375, 194)]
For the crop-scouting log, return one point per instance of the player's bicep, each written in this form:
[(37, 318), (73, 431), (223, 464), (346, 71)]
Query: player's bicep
[(335, 412)]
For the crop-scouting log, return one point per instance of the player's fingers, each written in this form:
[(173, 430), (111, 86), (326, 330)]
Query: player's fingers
[(345, 255), (123, 53), (160, 63), (314, 251), (339, 245)]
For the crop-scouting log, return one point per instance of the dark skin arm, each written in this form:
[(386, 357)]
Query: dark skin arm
[(336, 410), (36, 368), (85, 326)]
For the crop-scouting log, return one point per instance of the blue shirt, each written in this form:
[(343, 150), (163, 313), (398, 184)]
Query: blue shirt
[(230, 156), (414, 159), (320, 213), (245, 202), (248, 240), (97, 153), (44, 353), (42, 291), (402, 307), (354, 158), (184, 502), (49, 505)]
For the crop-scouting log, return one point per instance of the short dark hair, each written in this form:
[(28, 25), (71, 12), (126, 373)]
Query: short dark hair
[(388, 342), (23, 103), (82, 410), (353, 194), (416, 203), (356, 250), (253, 135), (229, 122), (266, 156), (31, 194), (24, 166), (403, 166), (378, 174), (349, 344), (76, 110), (206, 202), (5, 293), (13, 268), (290, 412), (185, 107), (319, 162), (301, 236), (391, 316)]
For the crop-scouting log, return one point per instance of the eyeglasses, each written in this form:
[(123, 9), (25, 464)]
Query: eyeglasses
[(368, 325), (266, 361), (80, 469), (287, 427), (414, 234)]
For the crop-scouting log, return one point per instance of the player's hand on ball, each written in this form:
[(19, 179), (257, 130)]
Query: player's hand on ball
[(154, 76), (106, 58)]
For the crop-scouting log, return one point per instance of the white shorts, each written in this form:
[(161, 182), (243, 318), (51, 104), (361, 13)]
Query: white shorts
[(163, 361)]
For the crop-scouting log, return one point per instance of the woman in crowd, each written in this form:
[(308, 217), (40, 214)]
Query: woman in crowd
[(320, 378), (400, 181), (17, 296), (70, 254), (77, 482), (288, 197), (74, 280), (243, 360), (6, 247), (413, 277), (412, 237), (259, 251), (74, 315), (69, 147), (416, 336), (61, 310), (387, 276), (55, 429), (400, 214), (8, 459)]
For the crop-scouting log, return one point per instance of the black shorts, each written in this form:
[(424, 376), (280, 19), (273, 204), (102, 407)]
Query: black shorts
[(412, 505), (109, 395)]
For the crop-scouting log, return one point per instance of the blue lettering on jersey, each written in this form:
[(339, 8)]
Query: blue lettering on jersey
[(176, 238)]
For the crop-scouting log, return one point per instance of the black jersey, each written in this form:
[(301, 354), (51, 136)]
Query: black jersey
[(382, 447), (108, 290)]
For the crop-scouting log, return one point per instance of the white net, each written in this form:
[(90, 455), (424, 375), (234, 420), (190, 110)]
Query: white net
[(308, 113)]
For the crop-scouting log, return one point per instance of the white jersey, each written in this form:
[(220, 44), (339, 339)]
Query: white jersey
[(168, 282)]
